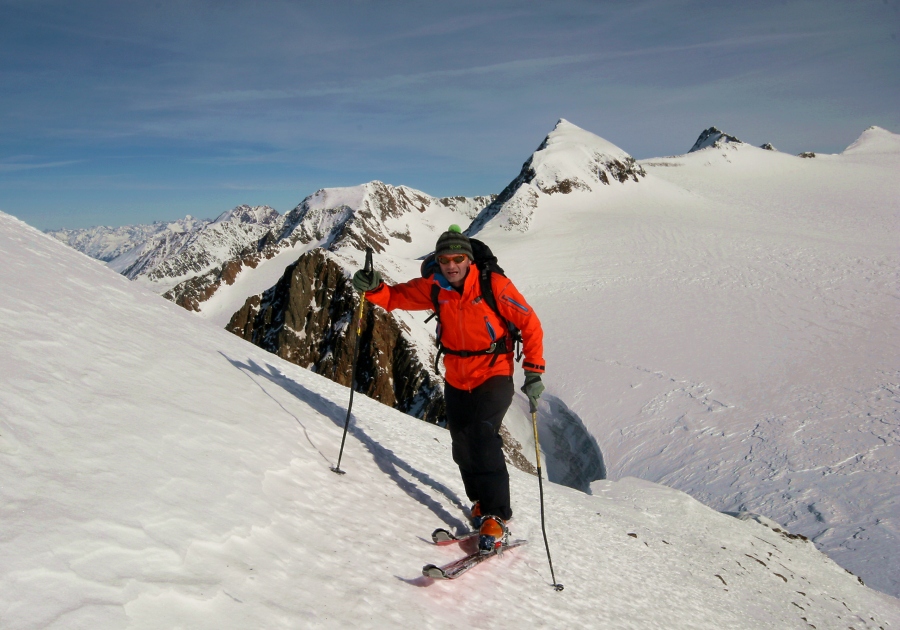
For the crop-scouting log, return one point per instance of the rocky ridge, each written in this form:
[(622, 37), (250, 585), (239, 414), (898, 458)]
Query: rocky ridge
[(714, 138), (372, 215), (306, 316)]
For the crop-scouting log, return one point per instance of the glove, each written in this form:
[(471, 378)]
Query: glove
[(533, 388), (366, 281)]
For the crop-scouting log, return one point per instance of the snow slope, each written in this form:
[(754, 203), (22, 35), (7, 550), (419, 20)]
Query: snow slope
[(160, 473), (729, 327)]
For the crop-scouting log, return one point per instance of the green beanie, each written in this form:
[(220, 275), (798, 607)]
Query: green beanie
[(453, 241)]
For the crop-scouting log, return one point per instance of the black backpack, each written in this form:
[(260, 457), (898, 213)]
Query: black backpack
[(487, 264)]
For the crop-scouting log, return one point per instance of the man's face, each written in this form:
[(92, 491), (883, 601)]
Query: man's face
[(454, 267)]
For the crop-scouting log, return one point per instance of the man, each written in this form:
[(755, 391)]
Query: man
[(478, 359)]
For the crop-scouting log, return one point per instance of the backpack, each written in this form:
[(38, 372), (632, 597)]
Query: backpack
[(487, 265)]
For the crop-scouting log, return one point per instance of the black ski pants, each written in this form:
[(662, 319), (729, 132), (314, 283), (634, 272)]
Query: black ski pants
[(474, 421)]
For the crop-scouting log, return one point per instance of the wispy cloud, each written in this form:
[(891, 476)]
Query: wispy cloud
[(517, 67), (10, 167)]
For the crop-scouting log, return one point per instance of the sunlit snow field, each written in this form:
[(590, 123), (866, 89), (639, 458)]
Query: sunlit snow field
[(730, 326)]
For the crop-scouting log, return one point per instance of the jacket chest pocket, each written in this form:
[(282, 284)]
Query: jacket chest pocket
[(478, 322)]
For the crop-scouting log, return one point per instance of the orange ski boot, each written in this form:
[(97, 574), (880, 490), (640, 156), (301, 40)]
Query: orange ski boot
[(492, 534)]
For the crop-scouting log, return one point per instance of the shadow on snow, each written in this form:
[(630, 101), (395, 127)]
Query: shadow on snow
[(386, 460)]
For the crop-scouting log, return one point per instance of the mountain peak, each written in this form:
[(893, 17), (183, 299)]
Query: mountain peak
[(567, 137), (263, 215), (569, 159), (713, 137), (875, 140)]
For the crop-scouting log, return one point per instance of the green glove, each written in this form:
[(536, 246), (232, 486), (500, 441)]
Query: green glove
[(533, 388), (363, 281)]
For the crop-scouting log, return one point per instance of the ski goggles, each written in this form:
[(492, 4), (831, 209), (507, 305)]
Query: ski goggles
[(446, 260)]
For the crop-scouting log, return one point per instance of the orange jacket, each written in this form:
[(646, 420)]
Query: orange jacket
[(468, 323)]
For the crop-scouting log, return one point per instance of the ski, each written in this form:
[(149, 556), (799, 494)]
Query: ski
[(454, 569), (441, 536)]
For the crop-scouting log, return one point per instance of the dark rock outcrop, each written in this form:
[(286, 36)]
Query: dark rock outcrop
[(308, 318), (713, 137)]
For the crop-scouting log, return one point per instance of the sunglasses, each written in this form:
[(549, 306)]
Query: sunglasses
[(446, 260)]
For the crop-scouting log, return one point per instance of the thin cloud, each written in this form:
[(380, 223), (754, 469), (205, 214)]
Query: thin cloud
[(10, 167), (519, 66)]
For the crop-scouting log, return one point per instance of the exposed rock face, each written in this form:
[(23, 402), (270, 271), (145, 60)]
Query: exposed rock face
[(807, 154), (512, 451), (309, 318), (768, 147), (569, 160), (713, 137)]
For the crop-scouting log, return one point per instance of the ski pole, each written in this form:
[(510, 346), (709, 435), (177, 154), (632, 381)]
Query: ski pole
[(537, 453), (359, 320)]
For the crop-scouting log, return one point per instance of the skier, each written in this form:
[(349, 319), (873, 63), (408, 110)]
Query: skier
[(478, 360)]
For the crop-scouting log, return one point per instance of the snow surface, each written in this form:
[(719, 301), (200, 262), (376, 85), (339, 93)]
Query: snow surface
[(729, 327), (161, 473)]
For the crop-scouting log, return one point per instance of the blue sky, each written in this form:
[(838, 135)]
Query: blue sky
[(119, 112)]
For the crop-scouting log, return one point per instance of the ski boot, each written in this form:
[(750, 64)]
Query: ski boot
[(492, 534), (476, 516)]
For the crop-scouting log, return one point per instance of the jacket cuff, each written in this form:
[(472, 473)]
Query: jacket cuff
[(377, 289), (533, 367)]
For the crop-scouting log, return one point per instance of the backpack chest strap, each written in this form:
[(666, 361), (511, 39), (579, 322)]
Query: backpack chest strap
[(505, 345)]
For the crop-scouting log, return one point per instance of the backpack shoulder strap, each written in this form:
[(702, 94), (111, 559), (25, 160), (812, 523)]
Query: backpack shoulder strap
[(436, 305), (487, 290), (435, 291), (485, 277)]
